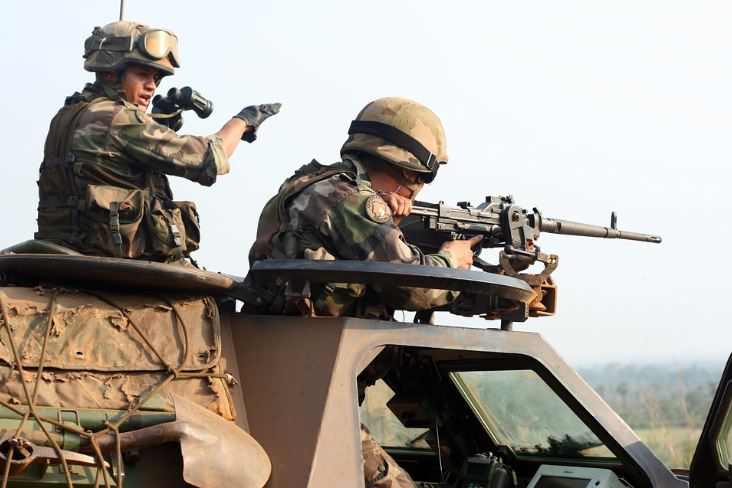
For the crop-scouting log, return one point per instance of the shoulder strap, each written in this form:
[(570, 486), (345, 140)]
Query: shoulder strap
[(274, 215), (61, 132), (296, 184)]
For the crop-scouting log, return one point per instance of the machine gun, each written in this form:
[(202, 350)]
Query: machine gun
[(503, 224)]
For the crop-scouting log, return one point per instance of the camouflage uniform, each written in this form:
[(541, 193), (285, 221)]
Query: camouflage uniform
[(102, 187), (331, 212), (379, 468)]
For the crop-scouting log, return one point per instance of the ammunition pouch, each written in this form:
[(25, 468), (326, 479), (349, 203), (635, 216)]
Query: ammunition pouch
[(262, 298), (167, 227), (125, 223), (191, 225), (116, 220)]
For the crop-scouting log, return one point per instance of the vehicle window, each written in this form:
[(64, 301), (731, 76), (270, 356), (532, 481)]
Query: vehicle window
[(383, 424), (519, 409), (724, 441)]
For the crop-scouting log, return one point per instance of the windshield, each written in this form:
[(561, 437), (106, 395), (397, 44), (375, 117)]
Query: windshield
[(520, 410)]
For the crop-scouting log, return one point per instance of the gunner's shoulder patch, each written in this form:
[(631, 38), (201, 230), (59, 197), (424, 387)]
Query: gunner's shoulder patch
[(377, 209)]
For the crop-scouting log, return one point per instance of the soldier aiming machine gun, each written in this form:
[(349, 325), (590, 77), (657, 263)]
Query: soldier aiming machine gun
[(503, 224)]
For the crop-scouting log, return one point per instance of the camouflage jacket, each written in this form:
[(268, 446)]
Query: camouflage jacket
[(379, 468), (102, 183), (331, 212)]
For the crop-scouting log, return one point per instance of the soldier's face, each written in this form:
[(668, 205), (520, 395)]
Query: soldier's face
[(411, 184), (139, 84)]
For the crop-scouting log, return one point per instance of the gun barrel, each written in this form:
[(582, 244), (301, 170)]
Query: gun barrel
[(567, 227), (421, 209)]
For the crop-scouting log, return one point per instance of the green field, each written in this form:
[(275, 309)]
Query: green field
[(673, 445), (666, 405)]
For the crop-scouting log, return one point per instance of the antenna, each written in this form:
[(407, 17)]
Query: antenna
[(121, 9)]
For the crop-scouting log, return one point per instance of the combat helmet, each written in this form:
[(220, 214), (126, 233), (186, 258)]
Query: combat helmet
[(115, 46), (402, 132)]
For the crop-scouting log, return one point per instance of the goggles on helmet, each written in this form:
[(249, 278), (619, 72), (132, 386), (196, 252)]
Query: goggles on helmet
[(155, 44), (428, 178), (158, 44), (403, 140)]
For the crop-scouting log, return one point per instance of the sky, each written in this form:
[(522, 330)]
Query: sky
[(575, 107)]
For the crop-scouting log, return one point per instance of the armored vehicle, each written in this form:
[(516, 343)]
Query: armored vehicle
[(127, 373)]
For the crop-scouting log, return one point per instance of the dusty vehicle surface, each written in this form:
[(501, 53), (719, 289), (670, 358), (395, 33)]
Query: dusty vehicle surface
[(450, 404)]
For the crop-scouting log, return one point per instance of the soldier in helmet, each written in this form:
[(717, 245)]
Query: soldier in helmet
[(103, 188), (351, 210)]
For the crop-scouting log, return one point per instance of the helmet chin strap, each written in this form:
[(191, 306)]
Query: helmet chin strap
[(116, 84)]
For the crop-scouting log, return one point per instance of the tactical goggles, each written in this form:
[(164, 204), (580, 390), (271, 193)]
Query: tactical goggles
[(158, 44), (403, 140), (155, 44)]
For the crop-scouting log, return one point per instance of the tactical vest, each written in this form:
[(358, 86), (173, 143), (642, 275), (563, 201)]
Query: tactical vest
[(273, 221), (82, 207), (273, 241)]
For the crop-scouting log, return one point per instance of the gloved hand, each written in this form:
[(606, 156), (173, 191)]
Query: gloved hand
[(254, 115)]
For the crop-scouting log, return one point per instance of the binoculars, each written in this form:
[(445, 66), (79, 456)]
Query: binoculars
[(167, 110)]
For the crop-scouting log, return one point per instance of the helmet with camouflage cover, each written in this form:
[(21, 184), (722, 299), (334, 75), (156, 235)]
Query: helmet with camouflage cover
[(115, 46), (402, 132)]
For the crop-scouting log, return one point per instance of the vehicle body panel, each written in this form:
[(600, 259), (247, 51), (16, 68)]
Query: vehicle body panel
[(298, 382)]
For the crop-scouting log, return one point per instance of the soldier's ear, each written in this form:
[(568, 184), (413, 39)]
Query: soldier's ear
[(108, 77)]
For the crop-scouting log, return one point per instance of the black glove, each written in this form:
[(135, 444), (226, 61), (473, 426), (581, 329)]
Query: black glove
[(254, 115)]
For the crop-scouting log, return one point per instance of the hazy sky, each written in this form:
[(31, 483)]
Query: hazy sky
[(575, 107)]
